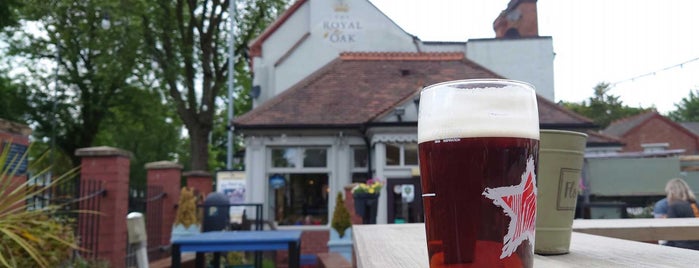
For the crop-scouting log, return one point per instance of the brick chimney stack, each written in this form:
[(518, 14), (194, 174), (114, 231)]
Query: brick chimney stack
[(518, 20)]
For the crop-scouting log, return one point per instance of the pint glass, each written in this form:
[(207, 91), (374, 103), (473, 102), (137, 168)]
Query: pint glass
[(478, 144)]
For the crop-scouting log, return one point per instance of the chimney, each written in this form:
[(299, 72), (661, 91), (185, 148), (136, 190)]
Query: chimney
[(518, 20)]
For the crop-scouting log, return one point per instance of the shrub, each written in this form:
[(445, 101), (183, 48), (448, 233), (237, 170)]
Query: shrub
[(186, 208), (31, 238), (341, 217)]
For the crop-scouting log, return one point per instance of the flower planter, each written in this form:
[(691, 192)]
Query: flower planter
[(342, 245), (178, 231), (366, 205)]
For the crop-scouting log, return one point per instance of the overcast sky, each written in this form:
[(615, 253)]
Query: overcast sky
[(632, 42)]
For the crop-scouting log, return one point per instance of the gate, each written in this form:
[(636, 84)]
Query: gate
[(149, 201), (79, 201)]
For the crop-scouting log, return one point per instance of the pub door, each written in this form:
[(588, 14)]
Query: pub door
[(404, 200)]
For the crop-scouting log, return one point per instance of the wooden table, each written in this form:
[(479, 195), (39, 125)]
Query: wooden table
[(641, 229), (403, 245), (238, 241)]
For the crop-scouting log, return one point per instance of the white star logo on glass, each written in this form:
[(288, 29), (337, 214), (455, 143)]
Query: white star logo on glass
[(519, 203)]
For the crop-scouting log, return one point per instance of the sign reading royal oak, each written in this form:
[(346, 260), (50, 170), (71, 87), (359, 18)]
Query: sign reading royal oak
[(338, 25), (341, 29)]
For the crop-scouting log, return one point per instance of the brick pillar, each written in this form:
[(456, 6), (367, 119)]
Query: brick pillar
[(167, 175), (201, 181), (17, 135), (111, 166), (349, 204)]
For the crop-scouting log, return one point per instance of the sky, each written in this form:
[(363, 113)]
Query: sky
[(648, 49)]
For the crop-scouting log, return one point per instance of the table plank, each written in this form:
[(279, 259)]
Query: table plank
[(390, 245), (403, 245), (240, 237), (237, 241), (641, 229)]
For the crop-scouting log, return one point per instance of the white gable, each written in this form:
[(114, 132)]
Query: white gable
[(317, 33)]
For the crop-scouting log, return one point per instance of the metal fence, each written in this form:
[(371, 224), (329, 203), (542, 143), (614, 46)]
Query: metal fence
[(79, 201), (148, 200), (88, 220)]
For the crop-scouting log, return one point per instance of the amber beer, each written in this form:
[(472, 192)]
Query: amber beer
[(478, 144)]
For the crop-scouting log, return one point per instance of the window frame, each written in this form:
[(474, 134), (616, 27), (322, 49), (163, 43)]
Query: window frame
[(298, 160), (401, 152)]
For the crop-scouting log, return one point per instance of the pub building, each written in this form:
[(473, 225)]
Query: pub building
[(336, 92)]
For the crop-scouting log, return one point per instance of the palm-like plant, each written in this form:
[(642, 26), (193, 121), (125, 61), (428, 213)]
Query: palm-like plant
[(30, 238)]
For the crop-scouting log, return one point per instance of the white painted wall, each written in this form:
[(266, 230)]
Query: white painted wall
[(257, 158), (358, 26), (335, 26), (443, 47), (529, 60)]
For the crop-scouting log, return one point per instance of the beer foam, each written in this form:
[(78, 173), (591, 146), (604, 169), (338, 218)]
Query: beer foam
[(467, 109)]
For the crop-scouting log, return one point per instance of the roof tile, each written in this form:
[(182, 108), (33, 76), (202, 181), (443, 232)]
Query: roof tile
[(357, 88)]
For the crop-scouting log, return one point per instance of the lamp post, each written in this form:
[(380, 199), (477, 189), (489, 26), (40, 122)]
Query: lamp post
[(54, 108), (231, 83)]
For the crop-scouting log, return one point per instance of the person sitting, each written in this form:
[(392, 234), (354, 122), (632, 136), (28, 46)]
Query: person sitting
[(660, 208), (680, 199)]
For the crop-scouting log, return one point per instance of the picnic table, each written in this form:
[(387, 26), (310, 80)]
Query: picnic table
[(404, 245), (238, 241), (641, 229)]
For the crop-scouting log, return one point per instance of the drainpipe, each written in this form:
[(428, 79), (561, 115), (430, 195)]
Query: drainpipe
[(367, 142)]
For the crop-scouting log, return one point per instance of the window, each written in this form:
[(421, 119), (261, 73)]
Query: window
[(392, 154), (404, 154), (410, 152), (360, 156), (360, 163), (303, 200), (283, 157), (315, 158), (303, 197), (294, 157)]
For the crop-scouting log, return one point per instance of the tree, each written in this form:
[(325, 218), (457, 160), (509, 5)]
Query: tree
[(8, 12), (146, 126), (603, 108), (688, 108), (95, 45), (187, 40), (13, 101)]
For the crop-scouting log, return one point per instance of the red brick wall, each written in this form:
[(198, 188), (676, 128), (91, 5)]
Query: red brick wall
[(111, 166), (349, 204), (527, 24), (657, 130), (166, 175), (16, 134), (201, 181), (312, 242)]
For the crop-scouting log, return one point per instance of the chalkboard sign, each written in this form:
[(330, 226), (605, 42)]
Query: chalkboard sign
[(14, 158)]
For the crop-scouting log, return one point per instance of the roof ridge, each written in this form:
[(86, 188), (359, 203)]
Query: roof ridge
[(256, 44), (603, 135), (565, 110), (397, 56), (633, 117)]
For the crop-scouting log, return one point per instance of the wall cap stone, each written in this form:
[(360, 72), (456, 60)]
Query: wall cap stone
[(14, 128), (197, 173), (103, 151), (163, 165)]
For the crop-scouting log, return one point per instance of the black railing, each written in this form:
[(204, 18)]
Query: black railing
[(89, 203), (80, 204), (149, 200), (249, 220)]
